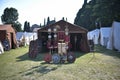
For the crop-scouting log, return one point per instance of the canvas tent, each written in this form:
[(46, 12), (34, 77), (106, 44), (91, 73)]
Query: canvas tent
[(94, 35), (114, 41), (29, 36), (24, 38), (19, 36), (1, 48), (8, 32), (78, 35), (35, 29), (104, 35)]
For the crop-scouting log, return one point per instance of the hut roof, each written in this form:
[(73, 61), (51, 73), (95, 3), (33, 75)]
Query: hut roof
[(61, 26), (7, 27)]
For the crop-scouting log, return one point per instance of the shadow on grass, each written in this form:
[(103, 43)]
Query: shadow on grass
[(42, 69), (26, 57), (40, 57), (79, 54), (103, 50)]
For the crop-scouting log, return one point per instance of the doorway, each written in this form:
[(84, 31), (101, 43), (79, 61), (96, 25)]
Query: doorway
[(75, 39), (12, 41)]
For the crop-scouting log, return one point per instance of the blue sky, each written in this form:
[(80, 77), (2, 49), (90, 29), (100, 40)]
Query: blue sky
[(35, 11)]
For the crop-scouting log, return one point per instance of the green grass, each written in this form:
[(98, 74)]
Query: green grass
[(102, 65)]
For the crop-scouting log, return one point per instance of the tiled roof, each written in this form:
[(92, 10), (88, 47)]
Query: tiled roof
[(7, 27), (61, 26)]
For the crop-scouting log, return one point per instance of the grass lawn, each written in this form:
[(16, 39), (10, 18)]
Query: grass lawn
[(104, 65)]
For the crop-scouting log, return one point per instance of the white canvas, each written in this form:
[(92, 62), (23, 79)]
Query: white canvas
[(1, 48), (28, 36), (114, 42), (104, 35), (116, 35), (94, 35)]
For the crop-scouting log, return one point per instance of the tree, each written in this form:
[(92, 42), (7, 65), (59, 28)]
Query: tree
[(48, 20), (44, 22), (85, 3), (66, 19), (10, 16), (54, 19), (17, 26), (26, 26), (100, 12), (63, 18), (83, 17)]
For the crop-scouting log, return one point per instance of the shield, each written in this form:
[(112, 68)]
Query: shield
[(71, 57), (63, 58), (56, 58), (48, 58)]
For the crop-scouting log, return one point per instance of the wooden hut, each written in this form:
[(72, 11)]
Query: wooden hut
[(7, 32), (78, 35)]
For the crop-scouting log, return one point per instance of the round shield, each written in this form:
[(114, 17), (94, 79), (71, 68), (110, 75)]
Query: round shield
[(63, 58), (56, 58), (71, 57), (48, 58)]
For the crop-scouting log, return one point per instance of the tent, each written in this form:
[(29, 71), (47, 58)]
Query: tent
[(19, 36), (8, 32), (1, 48), (78, 35), (35, 29), (24, 38), (29, 36), (114, 41), (94, 35), (104, 35)]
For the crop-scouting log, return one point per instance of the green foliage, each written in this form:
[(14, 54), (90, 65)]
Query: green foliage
[(10, 16), (26, 26), (44, 22), (102, 12), (103, 65), (17, 26), (63, 18), (48, 20)]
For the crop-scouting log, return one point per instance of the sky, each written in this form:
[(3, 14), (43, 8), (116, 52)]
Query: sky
[(34, 11)]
